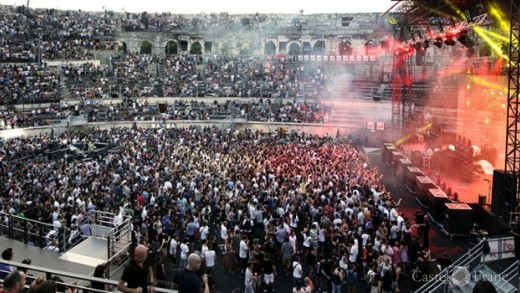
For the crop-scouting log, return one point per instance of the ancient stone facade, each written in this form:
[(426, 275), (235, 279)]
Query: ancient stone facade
[(319, 34)]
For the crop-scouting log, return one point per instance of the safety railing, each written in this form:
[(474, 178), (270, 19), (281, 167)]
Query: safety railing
[(72, 280), (44, 235), (441, 282), (509, 279)]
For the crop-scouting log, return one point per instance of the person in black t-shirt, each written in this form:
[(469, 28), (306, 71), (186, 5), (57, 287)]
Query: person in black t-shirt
[(186, 280), (137, 274), (444, 261), (269, 272)]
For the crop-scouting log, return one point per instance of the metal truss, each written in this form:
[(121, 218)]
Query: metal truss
[(512, 160)]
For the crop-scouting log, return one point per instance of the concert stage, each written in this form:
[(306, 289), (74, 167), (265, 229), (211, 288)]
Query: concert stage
[(453, 201)]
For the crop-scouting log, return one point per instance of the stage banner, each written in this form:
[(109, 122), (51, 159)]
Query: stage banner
[(319, 58), (501, 248), (332, 58), (370, 125), (366, 58), (325, 58), (359, 58), (306, 57), (313, 57), (300, 57), (352, 58), (380, 126), (372, 58)]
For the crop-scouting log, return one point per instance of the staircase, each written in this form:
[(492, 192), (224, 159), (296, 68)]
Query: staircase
[(465, 272), (65, 88)]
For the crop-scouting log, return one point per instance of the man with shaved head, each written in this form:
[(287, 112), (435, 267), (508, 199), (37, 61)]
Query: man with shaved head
[(138, 274), (186, 280)]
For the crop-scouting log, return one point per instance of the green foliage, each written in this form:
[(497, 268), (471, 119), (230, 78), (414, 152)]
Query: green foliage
[(294, 49), (196, 48), (121, 47), (146, 48), (170, 48), (270, 48)]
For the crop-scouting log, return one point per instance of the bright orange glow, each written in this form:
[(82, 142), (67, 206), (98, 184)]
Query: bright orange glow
[(487, 121), (468, 103)]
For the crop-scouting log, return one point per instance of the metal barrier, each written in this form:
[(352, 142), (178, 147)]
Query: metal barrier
[(119, 239), (441, 282), (40, 234), (507, 277), (82, 282)]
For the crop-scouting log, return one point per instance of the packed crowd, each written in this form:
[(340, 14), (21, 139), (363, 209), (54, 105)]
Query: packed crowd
[(29, 35), (28, 83), (264, 110), (36, 117), (297, 204), (134, 75)]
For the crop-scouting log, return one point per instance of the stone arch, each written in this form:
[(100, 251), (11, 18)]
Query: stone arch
[(295, 49), (145, 47), (170, 48), (121, 46), (319, 47), (244, 48), (307, 48), (196, 48), (345, 48), (270, 48)]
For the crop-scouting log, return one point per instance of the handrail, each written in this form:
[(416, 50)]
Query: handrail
[(74, 276), (507, 275), (470, 256)]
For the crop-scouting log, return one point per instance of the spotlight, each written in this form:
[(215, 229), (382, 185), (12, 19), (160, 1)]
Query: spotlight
[(465, 40), (449, 41), (438, 42)]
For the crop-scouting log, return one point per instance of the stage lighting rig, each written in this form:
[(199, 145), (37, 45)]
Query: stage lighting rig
[(449, 41), (438, 42)]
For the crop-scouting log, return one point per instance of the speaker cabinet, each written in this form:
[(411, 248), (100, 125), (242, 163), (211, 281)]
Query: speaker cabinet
[(436, 200), (502, 201), (423, 185), (458, 219)]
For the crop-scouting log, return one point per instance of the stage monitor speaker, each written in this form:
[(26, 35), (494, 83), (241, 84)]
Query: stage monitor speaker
[(458, 219), (502, 201)]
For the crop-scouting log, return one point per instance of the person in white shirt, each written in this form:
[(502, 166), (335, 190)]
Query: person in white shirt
[(184, 255), (210, 257), (297, 270), (243, 252), (203, 231), (354, 250), (172, 250), (249, 279), (223, 231)]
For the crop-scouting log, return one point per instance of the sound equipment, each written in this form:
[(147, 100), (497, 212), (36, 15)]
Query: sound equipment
[(388, 148), (410, 175), (458, 219), (402, 164), (423, 184), (436, 200), (502, 200)]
